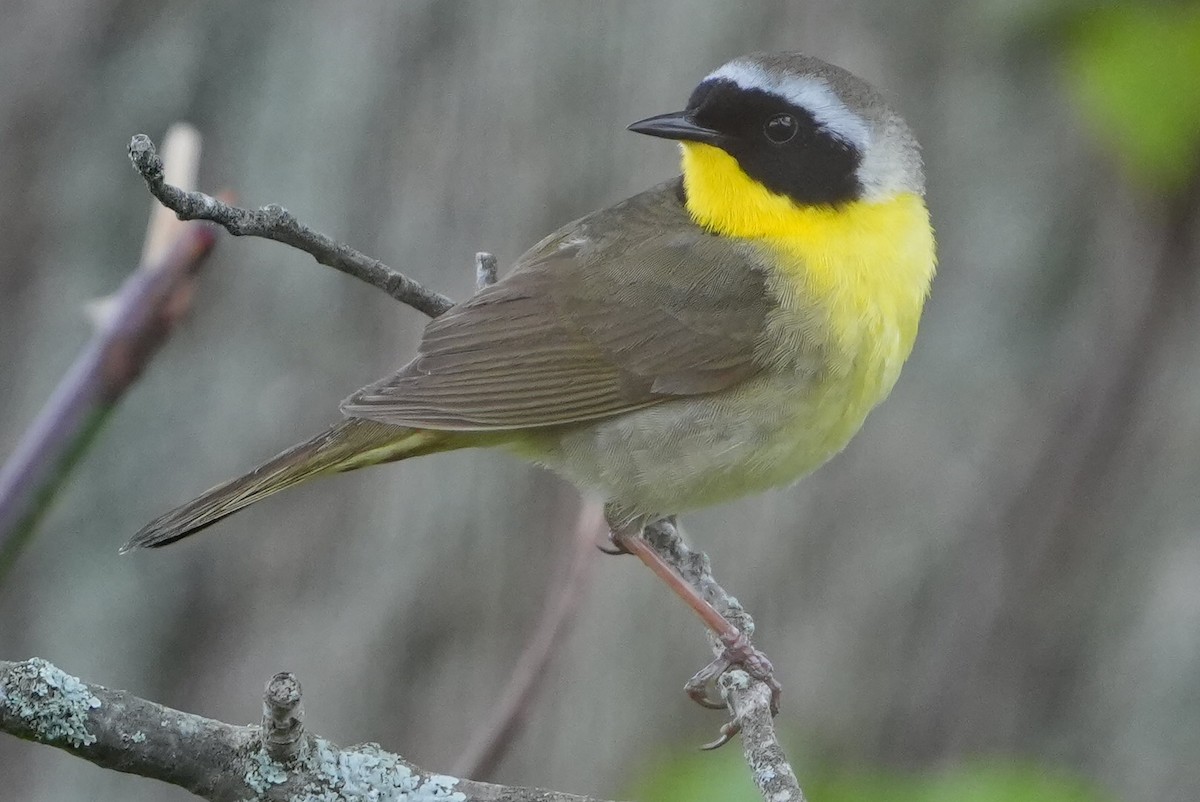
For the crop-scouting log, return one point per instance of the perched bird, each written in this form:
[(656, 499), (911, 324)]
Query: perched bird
[(716, 335)]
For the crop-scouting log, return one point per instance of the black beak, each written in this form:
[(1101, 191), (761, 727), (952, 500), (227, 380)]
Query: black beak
[(676, 125)]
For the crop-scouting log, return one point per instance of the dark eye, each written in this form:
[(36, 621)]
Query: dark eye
[(781, 128)]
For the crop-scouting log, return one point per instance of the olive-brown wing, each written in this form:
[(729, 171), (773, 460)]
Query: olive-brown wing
[(583, 333)]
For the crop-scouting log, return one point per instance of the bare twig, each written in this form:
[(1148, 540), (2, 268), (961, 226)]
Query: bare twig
[(276, 223), (214, 760), (181, 147), (492, 740), (130, 327)]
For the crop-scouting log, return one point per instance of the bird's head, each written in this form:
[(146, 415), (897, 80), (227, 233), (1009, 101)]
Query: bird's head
[(766, 132)]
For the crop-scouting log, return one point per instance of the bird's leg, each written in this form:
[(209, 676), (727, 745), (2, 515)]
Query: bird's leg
[(626, 534)]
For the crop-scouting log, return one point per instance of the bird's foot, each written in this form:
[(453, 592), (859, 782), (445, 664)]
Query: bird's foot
[(739, 653), (626, 536)]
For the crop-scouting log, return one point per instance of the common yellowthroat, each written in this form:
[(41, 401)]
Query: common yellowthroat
[(716, 335)]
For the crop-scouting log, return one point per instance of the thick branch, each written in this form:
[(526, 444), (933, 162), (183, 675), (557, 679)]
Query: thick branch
[(275, 222), (214, 760)]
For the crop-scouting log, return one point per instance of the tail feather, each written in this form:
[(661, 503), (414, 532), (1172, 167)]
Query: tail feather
[(354, 443)]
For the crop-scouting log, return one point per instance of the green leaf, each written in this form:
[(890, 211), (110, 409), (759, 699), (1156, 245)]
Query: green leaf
[(1135, 70)]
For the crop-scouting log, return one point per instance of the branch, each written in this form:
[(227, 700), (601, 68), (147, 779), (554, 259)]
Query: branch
[(492, 740), (131, 325), (276, 223), (218, 761), (749, 700)]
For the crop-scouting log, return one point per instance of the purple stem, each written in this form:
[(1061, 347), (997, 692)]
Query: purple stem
[(141, 317)]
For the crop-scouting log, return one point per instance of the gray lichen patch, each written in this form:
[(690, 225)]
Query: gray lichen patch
[(263, 773), (52, 704), (329, 774), (368, 772)]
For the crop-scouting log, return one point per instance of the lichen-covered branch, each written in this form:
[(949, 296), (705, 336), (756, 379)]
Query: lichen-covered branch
[(218, 761), (276, 223), (750, 702)]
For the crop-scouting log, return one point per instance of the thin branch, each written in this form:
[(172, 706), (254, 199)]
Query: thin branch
[(696, 569), (750, 703), (276, 223), (214, 760), (749, 700), (130, 327), (492, 741)]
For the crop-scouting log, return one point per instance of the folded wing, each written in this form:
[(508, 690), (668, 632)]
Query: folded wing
[(581, 332)]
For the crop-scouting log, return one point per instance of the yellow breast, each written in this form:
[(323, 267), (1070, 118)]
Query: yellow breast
[(850, 282), (865, 266)]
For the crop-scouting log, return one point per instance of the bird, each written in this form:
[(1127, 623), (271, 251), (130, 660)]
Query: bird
[(718, 334)]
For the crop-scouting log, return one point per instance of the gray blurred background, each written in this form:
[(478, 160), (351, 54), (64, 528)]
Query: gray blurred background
[(1004, 565)]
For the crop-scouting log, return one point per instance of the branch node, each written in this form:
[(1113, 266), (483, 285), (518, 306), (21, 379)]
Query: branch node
[(283, 718), (485, 270), (145, 159)]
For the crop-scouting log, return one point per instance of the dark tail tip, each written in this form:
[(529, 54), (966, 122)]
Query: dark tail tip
[(160, 533)]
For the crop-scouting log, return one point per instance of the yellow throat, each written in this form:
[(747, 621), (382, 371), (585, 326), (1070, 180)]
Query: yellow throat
[(868, 263)]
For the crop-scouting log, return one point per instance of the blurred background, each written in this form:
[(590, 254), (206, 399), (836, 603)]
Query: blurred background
[(997, 584)]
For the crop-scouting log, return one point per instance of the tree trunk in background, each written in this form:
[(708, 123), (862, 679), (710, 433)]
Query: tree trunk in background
[(1004, 562)]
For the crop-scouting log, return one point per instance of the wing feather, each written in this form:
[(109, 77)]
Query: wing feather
[(589, 324)]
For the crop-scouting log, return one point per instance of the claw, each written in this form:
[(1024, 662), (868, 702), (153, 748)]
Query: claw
[(701, 687), (740, 653), (701, 694), (626, 536), (615, 546), (776, 693), (728, 730)]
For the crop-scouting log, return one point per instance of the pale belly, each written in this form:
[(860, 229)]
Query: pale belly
[(703, 450)]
